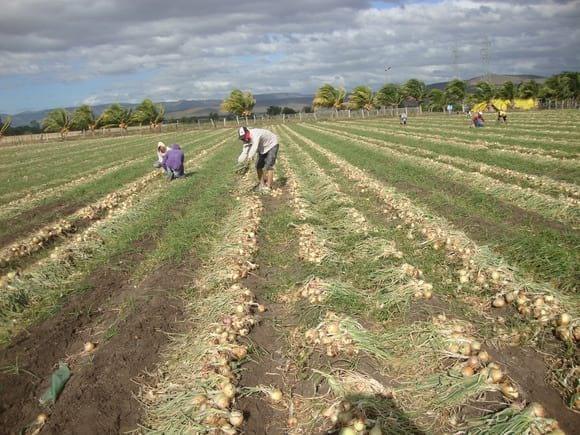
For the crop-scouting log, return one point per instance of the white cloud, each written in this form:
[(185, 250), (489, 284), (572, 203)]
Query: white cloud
[(203, 50)]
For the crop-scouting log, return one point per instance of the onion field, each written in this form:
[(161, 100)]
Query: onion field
[(418, 279)]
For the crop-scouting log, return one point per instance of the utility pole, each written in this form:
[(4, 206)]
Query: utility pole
[(485, 56), (455, 52)]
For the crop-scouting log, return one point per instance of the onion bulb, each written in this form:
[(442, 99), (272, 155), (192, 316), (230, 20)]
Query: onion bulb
[(358, 425), (498, 302), (509, 391), (465, 349), (236, 418), (89, 347), (564, 319), (376, 430), (261, 308), (222, 401), (427, 294), (275, 395), (333, 328), (467, 371), (475, 346), (41, 418), (292, 422), (347, 431), (483, 357), (473, 362), (537, 410), (496, 375), (229, 390)]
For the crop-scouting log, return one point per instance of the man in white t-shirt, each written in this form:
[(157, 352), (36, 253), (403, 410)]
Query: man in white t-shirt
[(264, 143)]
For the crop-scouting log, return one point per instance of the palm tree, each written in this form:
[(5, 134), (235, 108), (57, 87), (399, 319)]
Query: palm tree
[(4, 126), (239, 103), (484, 93), (330, 97), (437, 99), (415, 89), (389, 95), (84, 118), (562, 87), (508, 91), (58, 120), (529, 89), (361, 97), (116, 116), (148, 112), (455, 91)]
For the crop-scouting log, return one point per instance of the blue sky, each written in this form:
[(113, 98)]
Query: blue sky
[(65, 52)]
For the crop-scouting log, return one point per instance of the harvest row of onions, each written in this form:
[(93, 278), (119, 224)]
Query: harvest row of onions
[(219, 346), (214, 406), (476, 268), (546, 205), (474, 360), (310, 247), (513, 150), (351, 420), (66, 226), (329, 334), (538, 181), (36, 242)]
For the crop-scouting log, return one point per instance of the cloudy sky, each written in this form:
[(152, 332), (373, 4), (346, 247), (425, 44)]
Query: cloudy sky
[(67, 52)]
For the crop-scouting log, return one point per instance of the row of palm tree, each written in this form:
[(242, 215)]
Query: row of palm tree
[(83, 118), (561, 87)]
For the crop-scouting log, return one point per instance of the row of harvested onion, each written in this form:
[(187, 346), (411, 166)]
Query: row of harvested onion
[(478, 266)]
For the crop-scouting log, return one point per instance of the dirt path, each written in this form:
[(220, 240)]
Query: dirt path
[(271, 363), (129, 323)]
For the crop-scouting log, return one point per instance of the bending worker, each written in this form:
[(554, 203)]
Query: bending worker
[(265, 143)]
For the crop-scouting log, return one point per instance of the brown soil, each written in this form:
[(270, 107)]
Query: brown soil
[(528, 369), (269, 365), (129, 323)]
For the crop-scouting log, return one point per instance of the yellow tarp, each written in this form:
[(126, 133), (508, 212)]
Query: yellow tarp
[(498, 104), (525, 104)]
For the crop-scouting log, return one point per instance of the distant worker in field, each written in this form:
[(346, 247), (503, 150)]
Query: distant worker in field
[(478, 120), (173, 162), (403, 118), (161, 151), (502, 116), (265, 144)]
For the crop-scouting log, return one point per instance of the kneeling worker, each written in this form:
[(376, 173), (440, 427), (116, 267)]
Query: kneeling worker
[(265, 143)]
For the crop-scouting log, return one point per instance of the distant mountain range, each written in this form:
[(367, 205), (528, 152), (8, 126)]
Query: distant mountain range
[(496, 79), (181, 108)]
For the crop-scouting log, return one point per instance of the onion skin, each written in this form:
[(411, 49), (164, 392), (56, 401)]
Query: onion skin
[(236, 418), (498, 302), (537, 410), (564, 319), (467, 371), (483, 357), (276, 395)]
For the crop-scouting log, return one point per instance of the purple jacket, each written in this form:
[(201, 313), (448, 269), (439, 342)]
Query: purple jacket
[(174, 158)]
